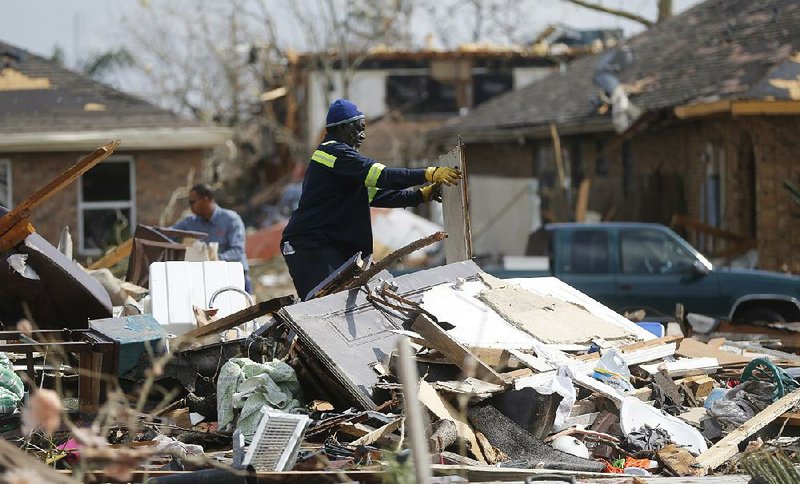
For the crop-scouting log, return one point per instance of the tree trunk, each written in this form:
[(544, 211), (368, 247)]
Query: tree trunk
[(664, 10)]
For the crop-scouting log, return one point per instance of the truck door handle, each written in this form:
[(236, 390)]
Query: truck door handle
[(625, 287)]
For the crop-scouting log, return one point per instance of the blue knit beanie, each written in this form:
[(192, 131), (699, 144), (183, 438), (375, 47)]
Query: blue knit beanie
[(342, 111)]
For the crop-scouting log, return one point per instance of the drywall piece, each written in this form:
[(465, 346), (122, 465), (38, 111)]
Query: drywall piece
[(634, 414), (729, 445), (347, 334), (554, 287), (549, 319), (684, 367), (455, 209), (475, 323), (176, 286), (531, 361), (437, 338), (276, 442), (442, 409), (692, 348)]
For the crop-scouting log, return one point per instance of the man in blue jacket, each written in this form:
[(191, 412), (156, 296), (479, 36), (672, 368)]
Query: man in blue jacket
[(332, 221)]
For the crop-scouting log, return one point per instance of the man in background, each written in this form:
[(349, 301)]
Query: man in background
[(223, 226)]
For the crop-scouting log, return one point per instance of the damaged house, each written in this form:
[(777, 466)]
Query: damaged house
[(50, 116), (696, 117)]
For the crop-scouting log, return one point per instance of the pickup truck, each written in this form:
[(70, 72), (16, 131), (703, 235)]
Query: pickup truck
[(629, 266)]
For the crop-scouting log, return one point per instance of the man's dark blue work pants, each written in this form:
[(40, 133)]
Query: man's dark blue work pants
[(309, 267)]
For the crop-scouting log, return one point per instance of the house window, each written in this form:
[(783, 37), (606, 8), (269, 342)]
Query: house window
[(487, 86), (5, 183), (420, 94), (106, 205)]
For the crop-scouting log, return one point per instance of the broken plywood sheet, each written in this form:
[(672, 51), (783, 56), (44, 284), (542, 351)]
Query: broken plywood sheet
[(549, 319), (348, 334), (455, 210)]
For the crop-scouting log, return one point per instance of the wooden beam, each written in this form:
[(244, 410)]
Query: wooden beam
[(582, 204), (680, 461), (765, 107), (726, 448), (110, 259), (16, 234), (239, 317), (71, 174), (395, 256), (437, 338)]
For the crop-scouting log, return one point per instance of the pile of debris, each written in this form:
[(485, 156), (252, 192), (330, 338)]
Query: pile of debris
[(446, 372), (518, 378)]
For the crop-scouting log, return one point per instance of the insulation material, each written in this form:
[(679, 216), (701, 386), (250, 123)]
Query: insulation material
[(548, 319)]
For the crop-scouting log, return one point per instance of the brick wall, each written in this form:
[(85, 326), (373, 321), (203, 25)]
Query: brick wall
[(767, 147), (158, 173), (668, 169)]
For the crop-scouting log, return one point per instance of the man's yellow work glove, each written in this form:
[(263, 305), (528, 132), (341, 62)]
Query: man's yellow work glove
[(431, 192), (442, 174)]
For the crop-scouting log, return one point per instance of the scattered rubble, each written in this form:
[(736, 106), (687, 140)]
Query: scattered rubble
[(445, 372)]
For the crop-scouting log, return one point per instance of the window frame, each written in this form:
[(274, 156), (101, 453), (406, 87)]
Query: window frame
[(570, 260), (117, 204), (692, 256), (9, 203)]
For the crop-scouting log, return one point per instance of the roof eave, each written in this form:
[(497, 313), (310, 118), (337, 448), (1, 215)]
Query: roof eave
[(516, 133), (185, 138)]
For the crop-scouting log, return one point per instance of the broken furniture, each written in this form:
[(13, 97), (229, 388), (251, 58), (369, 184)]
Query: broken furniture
[(57, 292), (98, 358), (153, 244), (137, 336)]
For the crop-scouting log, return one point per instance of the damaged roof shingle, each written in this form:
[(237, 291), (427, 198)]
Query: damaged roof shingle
[(720, 49), (38, 95)]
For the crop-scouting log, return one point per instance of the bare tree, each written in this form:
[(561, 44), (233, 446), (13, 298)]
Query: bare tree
[(664, 11)]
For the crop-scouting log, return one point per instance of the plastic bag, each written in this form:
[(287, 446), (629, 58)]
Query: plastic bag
[(613, 371)]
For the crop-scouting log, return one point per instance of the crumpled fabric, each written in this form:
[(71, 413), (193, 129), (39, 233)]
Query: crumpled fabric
[(11, 387), (647, 438), (247, 385), (742, 403), (168, 445)]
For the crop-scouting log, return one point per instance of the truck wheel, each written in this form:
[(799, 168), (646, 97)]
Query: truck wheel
[(761, 315)]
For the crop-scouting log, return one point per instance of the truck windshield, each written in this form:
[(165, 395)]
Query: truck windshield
[(647, 251)]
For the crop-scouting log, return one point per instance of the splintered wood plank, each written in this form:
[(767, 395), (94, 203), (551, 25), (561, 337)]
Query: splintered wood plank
[(692, 348), (442, 409), (455, 208), (110, 259), (240, 317), (680, 461), (437, 338), (726, 448), (548, 319)]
